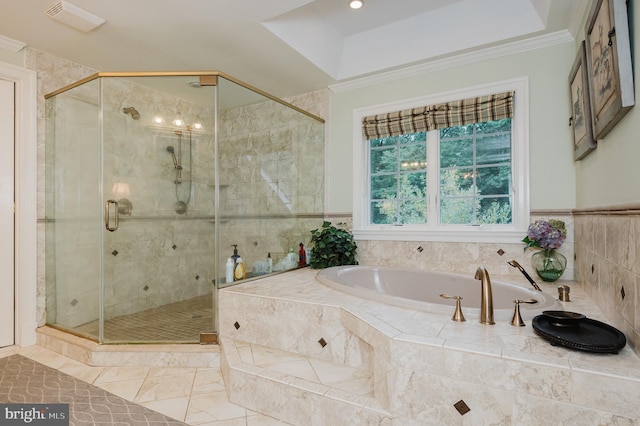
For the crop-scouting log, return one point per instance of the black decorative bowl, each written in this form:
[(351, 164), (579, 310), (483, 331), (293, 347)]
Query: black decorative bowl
[(579, 333), (564, 318)]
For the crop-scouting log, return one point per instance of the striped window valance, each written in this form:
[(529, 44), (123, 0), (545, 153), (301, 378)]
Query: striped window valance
[(440, 116)]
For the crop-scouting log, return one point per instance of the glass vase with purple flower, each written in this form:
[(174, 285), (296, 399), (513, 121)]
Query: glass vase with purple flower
[(547, 236)]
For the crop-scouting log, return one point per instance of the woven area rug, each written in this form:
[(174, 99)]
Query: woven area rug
[(24, 381)]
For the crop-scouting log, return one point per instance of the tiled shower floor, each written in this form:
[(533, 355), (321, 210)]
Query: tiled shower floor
[(179, 322)]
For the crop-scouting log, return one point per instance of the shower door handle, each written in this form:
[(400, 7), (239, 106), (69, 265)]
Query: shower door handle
[(107, 223)]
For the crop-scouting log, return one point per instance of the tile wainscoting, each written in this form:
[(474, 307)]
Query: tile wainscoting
[(463, 258), (608, 264)]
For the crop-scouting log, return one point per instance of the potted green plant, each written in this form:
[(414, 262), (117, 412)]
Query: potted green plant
[(332, 247)]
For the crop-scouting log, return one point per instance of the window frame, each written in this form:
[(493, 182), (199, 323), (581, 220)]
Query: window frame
[(511, 233)]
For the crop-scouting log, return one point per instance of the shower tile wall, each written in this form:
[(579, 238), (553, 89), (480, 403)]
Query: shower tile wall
[(271, 169), (608, 265)]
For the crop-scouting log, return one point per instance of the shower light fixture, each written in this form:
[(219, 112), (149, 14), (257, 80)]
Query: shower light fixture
[(158, 122), (121, 192), (356, 4), (178, 121)]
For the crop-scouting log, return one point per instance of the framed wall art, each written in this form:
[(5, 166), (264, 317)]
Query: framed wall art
[(609, 64), (583, 142)]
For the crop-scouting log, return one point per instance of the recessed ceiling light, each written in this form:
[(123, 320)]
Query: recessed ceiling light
[(356, 4)]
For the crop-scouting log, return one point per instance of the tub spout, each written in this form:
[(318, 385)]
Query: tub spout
[(527, 276), (486, 301)]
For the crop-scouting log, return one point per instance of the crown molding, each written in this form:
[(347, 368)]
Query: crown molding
[(10, 44), (507, 49)]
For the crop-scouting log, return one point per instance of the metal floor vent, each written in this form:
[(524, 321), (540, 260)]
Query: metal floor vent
[(75, 17)]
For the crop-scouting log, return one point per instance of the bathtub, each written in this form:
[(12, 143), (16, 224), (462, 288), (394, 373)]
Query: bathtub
[(420, 289)]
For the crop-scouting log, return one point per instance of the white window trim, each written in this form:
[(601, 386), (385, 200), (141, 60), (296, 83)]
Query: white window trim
[(513, 233)]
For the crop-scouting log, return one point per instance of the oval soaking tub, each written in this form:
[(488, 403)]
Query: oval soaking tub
[(420, 289)]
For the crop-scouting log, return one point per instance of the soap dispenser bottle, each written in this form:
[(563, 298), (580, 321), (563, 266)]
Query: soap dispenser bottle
[(235, 255), (239, 272), (229, 270), (302, 256)]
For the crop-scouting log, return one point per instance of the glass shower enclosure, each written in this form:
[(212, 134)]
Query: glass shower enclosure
[(152, 179)]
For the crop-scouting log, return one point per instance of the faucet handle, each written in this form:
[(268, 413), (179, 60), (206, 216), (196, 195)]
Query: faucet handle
[(517, 318), (457, 315)]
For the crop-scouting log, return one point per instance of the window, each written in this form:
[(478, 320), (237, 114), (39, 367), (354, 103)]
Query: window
[(436, 173)]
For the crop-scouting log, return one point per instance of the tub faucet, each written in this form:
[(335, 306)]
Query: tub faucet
[(486, 301)]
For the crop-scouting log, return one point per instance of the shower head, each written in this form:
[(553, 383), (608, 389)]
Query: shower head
[(132, 112), (170, 149)]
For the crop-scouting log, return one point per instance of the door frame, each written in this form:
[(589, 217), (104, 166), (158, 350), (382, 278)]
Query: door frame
[(26, 189)]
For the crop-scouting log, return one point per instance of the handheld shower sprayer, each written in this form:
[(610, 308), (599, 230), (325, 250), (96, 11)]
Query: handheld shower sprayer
[(527, 276), (172, 151), (132, 112)]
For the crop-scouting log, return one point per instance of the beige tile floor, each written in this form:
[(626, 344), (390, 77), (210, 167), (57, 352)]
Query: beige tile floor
[(196, 396)]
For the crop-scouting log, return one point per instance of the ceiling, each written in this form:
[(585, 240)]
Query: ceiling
[(284, 47)]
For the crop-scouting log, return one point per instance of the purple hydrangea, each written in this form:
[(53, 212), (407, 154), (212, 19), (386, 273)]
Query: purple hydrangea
[(546, 234)]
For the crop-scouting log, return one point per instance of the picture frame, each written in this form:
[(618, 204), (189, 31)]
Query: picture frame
[(580, 121), (609, 66)]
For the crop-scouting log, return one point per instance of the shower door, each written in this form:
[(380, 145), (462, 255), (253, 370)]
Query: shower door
[(158, 195), (72, 226)]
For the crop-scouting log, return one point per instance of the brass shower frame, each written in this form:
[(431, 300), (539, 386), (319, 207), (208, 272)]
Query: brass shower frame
[(207, 78)]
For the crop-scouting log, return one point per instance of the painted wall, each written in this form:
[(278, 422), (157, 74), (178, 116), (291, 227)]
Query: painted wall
[(551, 156), (610, 174), (607, 223)]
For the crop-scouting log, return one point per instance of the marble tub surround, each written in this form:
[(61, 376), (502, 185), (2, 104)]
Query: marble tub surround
[(299, 389), (421, 363)]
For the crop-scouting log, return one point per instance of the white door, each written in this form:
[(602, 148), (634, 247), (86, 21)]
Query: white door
[(7, 198)]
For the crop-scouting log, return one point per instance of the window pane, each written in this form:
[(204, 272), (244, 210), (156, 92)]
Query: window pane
[(384, 212), (475, 176), (495, 211), (493, 180), (383, 187), (413, 157), (382, 142), (412, 138), (456, 210), (456, 152), (384, 160), (456, 132), (413, 212), (494, 149), (456, 182), (413, 185), (503, 125)]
